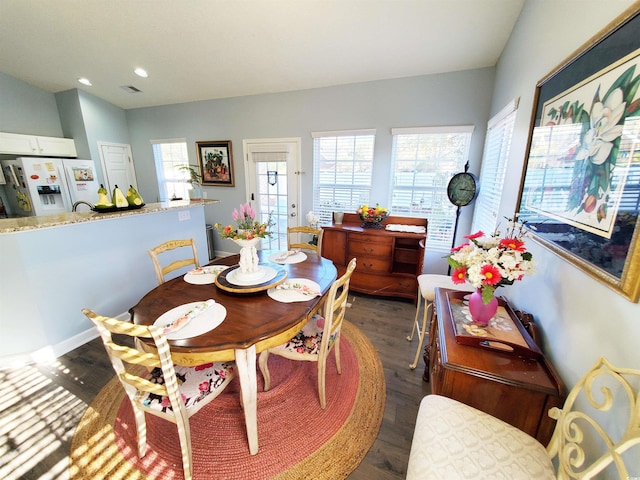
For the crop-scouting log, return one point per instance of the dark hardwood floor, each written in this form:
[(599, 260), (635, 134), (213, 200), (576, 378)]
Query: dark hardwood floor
[(387, 323), (40, 405)]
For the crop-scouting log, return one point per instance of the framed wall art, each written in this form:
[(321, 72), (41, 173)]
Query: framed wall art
[(580, 190), (216, 163)]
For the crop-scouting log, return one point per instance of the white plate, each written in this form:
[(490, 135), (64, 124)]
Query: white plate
[(205, 322), (235, 278), (288, 295), (295, 258), (207, 276)]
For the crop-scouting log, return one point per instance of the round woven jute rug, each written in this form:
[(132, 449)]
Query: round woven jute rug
[(297, 439)]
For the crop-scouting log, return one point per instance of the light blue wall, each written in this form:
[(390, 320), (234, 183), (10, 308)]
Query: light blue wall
[(47, 275), (89, 120), (72, 114), (27, 109), (461, 98), (73, 125), (580, 317), (103, 121)]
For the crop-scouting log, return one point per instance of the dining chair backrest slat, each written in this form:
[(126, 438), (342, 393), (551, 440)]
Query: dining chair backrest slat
[(162, 271), (318, 336), (295, 235), (337, 301), (155, 390)]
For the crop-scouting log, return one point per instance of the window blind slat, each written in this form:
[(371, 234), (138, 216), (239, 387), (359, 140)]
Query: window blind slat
[(494, 167), (432, 130), (424, 160), (344, 133), (342, 171)]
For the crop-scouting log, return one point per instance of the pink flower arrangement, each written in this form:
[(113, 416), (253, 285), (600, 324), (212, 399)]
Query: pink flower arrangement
[(490, 262), (247, 226), (245, 218)]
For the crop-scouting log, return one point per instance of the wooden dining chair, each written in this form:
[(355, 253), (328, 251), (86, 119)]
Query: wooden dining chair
[(175, 264), (318, 336), (169, 391), (296, 234)]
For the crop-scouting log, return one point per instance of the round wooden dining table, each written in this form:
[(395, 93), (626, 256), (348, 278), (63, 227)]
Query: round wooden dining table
[(254, 322)]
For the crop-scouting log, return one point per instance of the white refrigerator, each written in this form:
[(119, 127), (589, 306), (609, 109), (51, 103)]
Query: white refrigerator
[(45, 186)]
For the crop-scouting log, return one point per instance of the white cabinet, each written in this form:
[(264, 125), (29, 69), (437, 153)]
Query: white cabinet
[(17, 144), (56, 147)]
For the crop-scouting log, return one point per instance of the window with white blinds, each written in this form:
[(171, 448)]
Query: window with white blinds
[(424, 160), (494, 167), (169, 156), (342, 171)]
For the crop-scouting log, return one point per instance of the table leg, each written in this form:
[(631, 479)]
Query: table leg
[(246, 365)]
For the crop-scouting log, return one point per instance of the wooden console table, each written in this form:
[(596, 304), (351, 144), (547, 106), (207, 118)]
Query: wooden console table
[(388, 262), (519, 389)]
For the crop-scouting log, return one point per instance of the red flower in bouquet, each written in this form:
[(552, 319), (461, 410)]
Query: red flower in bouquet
[(490, 262)]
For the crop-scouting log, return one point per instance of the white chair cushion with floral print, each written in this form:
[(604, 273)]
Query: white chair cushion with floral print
[(308, 338), (455, 441), (195, 383)]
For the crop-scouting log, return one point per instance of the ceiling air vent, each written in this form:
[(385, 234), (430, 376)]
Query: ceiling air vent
[(131, 89)]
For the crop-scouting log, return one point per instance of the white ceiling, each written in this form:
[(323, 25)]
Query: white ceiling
[(207, 49)]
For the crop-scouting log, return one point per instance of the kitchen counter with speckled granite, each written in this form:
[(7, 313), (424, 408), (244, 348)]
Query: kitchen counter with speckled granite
[(19, 224)]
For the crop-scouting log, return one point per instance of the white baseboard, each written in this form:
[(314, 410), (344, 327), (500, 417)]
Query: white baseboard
[(51, 352)]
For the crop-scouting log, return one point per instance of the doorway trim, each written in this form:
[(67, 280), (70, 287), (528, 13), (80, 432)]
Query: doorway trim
[(294, 145)]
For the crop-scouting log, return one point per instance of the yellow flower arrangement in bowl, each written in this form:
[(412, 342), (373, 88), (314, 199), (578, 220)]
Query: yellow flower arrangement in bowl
[(372, 217)]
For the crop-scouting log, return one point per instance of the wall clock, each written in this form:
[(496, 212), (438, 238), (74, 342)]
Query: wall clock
[(462, 188)]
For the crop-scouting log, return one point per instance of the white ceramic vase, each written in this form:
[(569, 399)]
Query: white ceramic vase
[(249, 268)]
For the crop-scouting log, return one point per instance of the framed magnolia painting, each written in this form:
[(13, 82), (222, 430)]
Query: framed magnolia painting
[(580, 190)]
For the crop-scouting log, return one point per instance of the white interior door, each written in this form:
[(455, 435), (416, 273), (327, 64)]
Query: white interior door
[(117, 166), (272, 170)]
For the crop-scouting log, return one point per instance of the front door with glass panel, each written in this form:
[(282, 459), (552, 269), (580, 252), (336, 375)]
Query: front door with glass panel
[(272, 169)]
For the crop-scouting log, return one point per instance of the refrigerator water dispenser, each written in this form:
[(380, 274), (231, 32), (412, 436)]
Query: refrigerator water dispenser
[(50, 195)]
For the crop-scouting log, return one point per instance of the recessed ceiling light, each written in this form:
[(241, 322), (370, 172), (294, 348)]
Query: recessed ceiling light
[(141, 72), (85, 81)]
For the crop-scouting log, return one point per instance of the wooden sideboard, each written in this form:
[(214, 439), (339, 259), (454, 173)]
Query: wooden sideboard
[(388, 262), (519, 389)]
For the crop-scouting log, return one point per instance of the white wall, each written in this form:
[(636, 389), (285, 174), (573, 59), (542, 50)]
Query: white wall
[(581, 318)]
